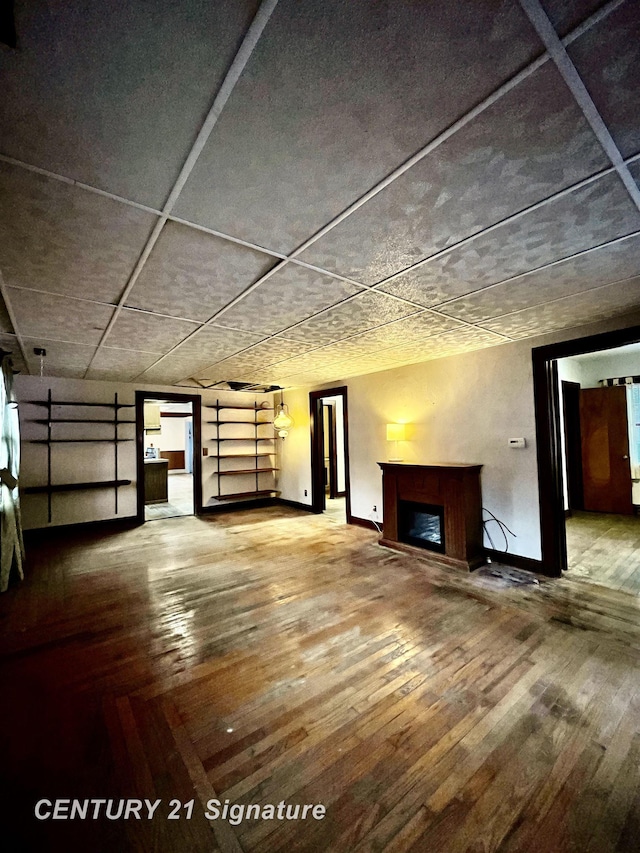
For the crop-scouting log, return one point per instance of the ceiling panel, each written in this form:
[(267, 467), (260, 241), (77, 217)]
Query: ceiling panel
[(530, 144), (335, 96), (169, 371), (268, 352), (150, 332), (607, 58), (360, 314), (120, 365), (588, 217), (634, 168), (288, 296), (213, 343), (192, 274), (600, 304), (60, 238), (567, 14), (62, 359), (114, 95), (43, 315), (458, 340), (596, 268)]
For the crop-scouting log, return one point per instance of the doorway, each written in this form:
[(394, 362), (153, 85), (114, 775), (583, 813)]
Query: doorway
[(330, 453), (584, 478), (169, 480)]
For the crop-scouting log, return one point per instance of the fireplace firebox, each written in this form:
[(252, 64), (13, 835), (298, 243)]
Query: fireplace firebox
[(434, 507), (421, 525)]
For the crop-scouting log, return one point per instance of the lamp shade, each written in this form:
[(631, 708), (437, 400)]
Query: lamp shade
[(396, 432)]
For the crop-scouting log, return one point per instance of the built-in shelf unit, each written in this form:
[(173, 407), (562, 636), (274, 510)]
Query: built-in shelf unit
[(55, 408), (256, 479)]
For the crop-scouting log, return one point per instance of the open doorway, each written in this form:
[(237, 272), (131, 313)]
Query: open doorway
[(600, 431), (587, 396), (330, 453), (168, 455)]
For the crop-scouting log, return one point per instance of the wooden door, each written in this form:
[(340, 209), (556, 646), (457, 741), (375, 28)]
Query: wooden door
[(605, 450)]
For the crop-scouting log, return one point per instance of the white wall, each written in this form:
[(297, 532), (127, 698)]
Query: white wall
[(463, 409), (75, 463), (171, 435), (609, 365)]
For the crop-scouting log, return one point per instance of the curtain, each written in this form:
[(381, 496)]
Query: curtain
[(11, 543)]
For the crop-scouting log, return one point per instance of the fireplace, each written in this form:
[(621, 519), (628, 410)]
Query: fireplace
[(421, 525), (435, 509)]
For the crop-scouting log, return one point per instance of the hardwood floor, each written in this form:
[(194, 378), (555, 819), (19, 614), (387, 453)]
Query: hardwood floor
[(604, 549), (273, 655)]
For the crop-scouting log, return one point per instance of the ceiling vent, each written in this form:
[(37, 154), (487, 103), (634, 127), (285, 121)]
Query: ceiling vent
[(251, 387)]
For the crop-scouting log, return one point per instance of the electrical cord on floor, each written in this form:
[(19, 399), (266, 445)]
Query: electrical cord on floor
[(502, 527)]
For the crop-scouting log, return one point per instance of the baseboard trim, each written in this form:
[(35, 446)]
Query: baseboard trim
[(103, 524), (295, 504), (517, 562), (239, 505), (568, 513), (364, 522)]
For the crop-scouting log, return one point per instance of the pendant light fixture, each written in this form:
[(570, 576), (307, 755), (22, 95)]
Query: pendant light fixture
[(282, 421)]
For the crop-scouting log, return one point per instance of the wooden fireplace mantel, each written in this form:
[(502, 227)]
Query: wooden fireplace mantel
[(453, 486)]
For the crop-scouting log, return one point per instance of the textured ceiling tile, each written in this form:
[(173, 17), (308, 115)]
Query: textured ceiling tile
[(448, 343), (592, 215), (607, 58), (43, 315), (60, 238), (193, 274), (416, 327), (611, 263), (609, 301), (114, 94), (149, 332), (531, 143), (169, 371), (335, 96), (288, 296), (258, 357), (62, 359), (360, 314), (213, 343), (120, 365), (634, 168), (567, 14)]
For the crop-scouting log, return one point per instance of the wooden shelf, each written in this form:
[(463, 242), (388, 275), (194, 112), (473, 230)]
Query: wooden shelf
[(259, 494), (77, 487), (77, 421), (50, 404), (241, 456), (247, 471), (243, 408), (245, 438), (250, 423), (77, 440), (76, 403)]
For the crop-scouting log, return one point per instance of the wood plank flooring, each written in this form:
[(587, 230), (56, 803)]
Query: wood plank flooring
[(272, 655), (604, 549)]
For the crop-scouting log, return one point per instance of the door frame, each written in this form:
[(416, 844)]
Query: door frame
[(548, 416), (317, 448), (196, 413)]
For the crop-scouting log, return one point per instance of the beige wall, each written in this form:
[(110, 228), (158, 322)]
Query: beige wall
[(72, 463), (463, 409)]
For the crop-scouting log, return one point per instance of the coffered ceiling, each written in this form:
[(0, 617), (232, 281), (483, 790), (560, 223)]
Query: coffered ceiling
[(293, 192)]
